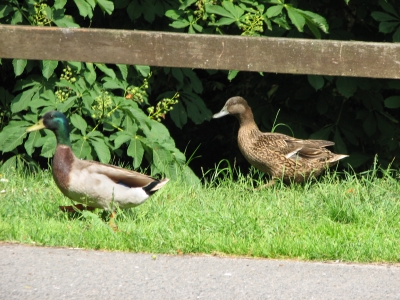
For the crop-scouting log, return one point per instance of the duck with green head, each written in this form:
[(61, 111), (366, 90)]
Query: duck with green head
[(91, 183)]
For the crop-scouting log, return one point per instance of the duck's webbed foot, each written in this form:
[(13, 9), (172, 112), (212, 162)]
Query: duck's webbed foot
[(112, 224)]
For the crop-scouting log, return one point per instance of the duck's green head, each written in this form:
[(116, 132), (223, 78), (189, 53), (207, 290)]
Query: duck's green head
[(56, 122)]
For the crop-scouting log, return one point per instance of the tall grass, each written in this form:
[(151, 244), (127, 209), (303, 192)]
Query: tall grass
[(349, 217)]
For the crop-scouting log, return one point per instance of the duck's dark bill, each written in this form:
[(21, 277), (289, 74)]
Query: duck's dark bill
[(39, 125)]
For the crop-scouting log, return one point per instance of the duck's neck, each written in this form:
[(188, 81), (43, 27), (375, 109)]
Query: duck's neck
[(62, 135), (246, 121), (62, 164)]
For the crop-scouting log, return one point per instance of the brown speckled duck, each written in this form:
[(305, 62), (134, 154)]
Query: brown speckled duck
[(276, 154), (93, 184)]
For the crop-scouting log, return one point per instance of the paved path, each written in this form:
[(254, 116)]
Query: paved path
[(58, 273)]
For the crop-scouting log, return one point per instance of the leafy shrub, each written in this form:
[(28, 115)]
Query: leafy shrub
[(106, 104)]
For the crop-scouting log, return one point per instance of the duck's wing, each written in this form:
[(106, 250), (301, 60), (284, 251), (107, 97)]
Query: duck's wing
[(309, 149), (277, 142), (291, 147), (123, 176)]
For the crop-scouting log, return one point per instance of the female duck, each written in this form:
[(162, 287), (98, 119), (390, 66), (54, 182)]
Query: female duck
[(279, 155), (91, 183)]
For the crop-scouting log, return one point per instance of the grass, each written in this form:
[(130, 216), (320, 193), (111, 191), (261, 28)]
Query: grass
[(354, 218)]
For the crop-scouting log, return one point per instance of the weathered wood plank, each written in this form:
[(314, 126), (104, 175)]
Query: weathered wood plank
[(277, 55)]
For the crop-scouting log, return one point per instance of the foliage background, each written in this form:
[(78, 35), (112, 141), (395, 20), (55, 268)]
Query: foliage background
[(122, 112)]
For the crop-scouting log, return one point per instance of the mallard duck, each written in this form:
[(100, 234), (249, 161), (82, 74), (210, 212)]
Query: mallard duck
[(93, 184), (276, 154)]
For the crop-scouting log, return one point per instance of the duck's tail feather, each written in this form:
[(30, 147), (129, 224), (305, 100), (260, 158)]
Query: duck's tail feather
[(154, 186), (337, 157)]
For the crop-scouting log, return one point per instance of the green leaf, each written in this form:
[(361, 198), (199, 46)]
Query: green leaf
[(388, 7), (67, 84), (94, 133), (392, 102), (223, 21), (5, 10), (232, 74), (84, 8), (161, 157), (90, 73), (281, 21), (79, 123), (49, 95), (48, 67), (65, 21), (234, 10), (102, 151), (316, 81), (396, 35), (19, 66), (12, 135), (114, 84), (106, 70), (197, 27), (49, 13), (346, 86), (122, 138), (316, 19), (81, 148), (387, 27), (274, 11), (143, 70), (158, 133), (178, 115), (313, 29), (174, 14), (49, 146), (59, 4), (16, 18), (134, 10), (186, 3), (30, 142), (66, 105), (177, 73), (75, 65), (21, 101), (382, 17), (92, 3), (136, 151), (297, 19), (195, 82), (124, 70), (196, 109), (9, 164), (106, 6), (218, 10), (180, 24)]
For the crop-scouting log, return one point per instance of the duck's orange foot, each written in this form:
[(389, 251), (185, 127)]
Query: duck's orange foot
[(112, 224), (74, 208)]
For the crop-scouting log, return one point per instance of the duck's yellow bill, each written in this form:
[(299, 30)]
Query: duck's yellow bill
[(39, 125)]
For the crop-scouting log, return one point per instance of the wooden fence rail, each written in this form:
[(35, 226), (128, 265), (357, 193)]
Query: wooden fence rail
[(261, 54)]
